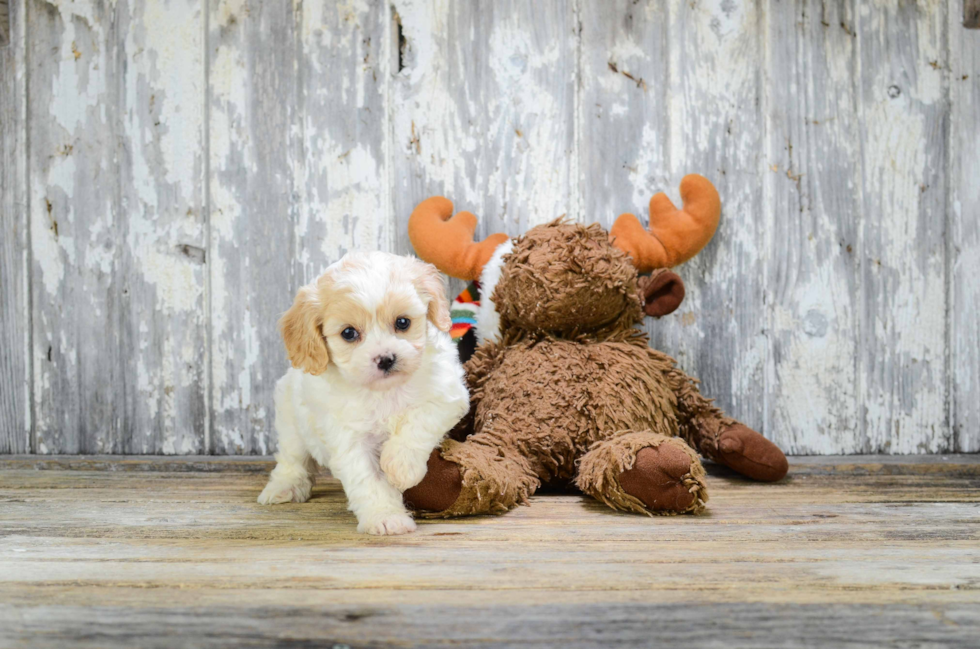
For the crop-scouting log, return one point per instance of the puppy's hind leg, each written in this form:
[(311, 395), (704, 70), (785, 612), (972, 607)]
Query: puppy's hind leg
[(292, 479)]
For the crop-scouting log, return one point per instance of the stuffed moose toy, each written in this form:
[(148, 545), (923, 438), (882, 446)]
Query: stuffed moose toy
[(564, 387)]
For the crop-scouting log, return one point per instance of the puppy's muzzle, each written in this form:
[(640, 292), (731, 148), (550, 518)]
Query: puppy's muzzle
[(385, 363)]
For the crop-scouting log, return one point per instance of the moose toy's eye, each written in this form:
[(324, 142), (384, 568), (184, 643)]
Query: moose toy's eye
[(402, 324), (349, 334)]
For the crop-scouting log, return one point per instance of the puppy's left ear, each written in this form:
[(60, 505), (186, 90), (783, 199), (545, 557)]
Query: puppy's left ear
[(429, 284)]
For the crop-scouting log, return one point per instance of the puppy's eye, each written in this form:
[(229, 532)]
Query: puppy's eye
[(402, 324), (349, 334)]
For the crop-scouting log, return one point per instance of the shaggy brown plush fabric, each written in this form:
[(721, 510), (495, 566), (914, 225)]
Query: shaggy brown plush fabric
[(573, 392)]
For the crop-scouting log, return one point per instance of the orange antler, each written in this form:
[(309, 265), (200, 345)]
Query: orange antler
[(448, 242), (675, 235)]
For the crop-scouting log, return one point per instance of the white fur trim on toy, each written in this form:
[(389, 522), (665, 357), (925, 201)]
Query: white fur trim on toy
[(487, 318)]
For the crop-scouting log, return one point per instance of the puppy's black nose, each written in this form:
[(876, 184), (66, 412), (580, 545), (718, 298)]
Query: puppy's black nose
[(385, 363)]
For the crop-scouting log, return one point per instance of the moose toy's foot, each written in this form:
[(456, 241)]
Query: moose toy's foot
[(657, 478), (748, 452), (644, 473), (439, 488)]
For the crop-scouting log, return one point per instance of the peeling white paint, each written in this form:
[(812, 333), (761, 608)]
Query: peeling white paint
[(351, 213), (904, 364), (179, 289), (48, 254), (529, 111), (86, 87), (430, 131), (646, 167)]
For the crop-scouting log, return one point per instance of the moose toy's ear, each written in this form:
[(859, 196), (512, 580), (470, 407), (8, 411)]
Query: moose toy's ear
[(662, 292)]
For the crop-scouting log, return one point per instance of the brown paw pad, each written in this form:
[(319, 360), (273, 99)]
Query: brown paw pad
[(656, 478), (751, 454), (439, 488)]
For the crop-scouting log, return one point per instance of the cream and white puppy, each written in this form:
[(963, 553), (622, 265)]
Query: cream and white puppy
[(375, 386)]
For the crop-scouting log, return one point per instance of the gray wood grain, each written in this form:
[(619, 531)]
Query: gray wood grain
[(623, 113), (253, 149), (436, 138), (342, 175), (116, 182), (154, 554), (297, 179), (814, 213), (482, 111), (902, 109), (575, 626), (77, 392), (15, 378), (716, 128), (963, 238), (527, 75), (650, 114), (162, 242)]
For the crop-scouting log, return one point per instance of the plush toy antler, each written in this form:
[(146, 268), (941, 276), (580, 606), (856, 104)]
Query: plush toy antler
[(675, 235), (448, 242)]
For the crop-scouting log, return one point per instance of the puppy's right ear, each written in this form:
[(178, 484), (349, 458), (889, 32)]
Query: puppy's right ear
[(300, 328)]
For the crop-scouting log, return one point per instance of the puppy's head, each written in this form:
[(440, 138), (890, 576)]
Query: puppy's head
[(368, 314)]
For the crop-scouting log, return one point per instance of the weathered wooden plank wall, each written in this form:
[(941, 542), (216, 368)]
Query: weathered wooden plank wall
[(253, 148), (902, 108), (963, 238), (118, 226), (812, 278), (184, 167), (15, 359)]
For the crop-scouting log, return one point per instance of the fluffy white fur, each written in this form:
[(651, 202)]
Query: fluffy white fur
[(373, 426), (487, 318)]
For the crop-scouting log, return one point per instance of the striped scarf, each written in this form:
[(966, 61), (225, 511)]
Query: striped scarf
[(463, 311)]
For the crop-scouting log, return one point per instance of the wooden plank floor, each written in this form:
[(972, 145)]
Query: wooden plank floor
[(162, 552)]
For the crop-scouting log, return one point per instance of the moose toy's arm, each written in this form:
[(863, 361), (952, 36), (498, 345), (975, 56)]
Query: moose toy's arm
[(717, 436)]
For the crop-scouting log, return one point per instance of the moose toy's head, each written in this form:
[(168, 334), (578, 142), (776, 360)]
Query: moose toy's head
[(566, 279)]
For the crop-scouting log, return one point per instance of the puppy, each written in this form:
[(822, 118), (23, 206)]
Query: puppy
[(375, 385)]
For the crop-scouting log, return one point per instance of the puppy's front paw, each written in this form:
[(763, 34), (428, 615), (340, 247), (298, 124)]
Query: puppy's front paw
[(402, 466), (387, 525), (277, 492)]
